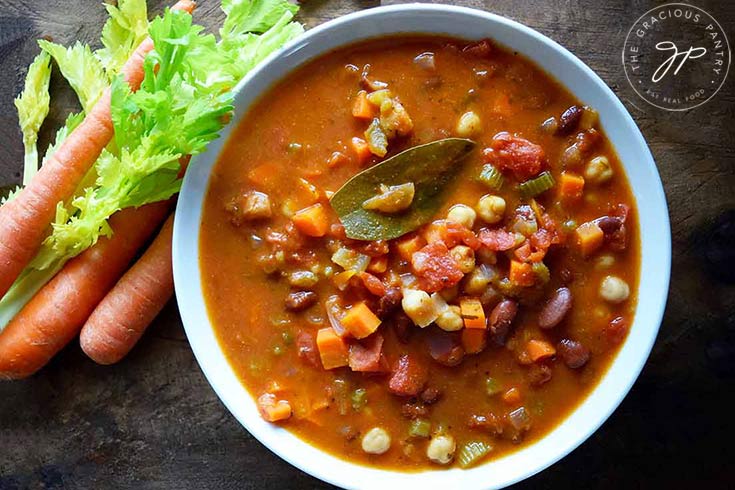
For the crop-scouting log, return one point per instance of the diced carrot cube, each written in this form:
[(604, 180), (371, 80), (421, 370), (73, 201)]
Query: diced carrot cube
[(264, 175), (378, 265), (336, 159), (407, 246), (512, 396), (312, 221), (502, 106), (589, 237), (362, 108), (273, 410), (521, 274), (308, 192), (539, 349), (362, 150), (342, 279), (571, 186), (434, 232), (472, 313), (474, 340), (333, 350), (360, 321)]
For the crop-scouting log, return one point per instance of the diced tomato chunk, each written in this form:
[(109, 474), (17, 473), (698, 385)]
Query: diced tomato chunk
[(497, 240), (409, 376), (373, 284), (541, 239), (435, 268), (527, 253), (367, 355), (518, 155), (451, 234)]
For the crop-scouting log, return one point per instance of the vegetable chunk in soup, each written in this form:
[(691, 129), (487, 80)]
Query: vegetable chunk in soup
[(419, 252)]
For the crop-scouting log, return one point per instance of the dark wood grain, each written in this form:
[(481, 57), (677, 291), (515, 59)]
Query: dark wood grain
[(153, 422)]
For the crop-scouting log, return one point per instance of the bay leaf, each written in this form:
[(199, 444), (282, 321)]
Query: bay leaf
[(430, 167)]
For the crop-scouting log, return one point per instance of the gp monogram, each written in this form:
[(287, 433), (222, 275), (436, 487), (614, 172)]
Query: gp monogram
[(676, 56)]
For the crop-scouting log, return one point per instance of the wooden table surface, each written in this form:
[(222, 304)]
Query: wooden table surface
[(152, 421)]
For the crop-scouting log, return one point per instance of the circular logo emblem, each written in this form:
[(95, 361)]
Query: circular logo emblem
[(676, 56)]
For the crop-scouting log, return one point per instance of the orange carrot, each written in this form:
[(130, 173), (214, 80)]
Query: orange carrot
[(571, 186), (378, 265), (265, 174), (474, 340), (521, 273), (362, 108), (362, 150), (273, 410), (24, 221), (407, 246), (512, 396), (360, 321), (57, 312), (502, 105), (123, 315), (333, 350), (336, 159), (312, 221), (472, 313), (589, 237), (539, 349)]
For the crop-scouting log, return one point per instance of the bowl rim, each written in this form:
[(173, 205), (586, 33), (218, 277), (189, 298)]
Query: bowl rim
[(323, 465)]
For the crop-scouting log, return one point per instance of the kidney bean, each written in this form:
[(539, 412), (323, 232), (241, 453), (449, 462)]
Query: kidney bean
[(609, 224), (489, 422), (566, 276), (573, 353), (617, 329), (430, 395), (402, 326), (413, 410), (500, 320), (307, 349), (569, 120), (389, 302), (539, 374), (481, 49), (300, 300), (555, 309), (587, 140), (445, 349)]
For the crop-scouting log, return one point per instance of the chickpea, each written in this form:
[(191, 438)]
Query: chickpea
[(450, 320), (598, 170), (491, 208), (450, 294), (463, 215), (604, 262), (419, 307), (614, 290), (441, 449), (376, 441), (478, 280), (464, 256), (486, 256), (469, 124)]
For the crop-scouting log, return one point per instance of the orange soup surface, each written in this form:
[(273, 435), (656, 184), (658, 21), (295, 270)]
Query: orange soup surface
[(471, 333)]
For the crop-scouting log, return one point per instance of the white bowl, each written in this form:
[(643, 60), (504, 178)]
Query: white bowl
[(653, 218)]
